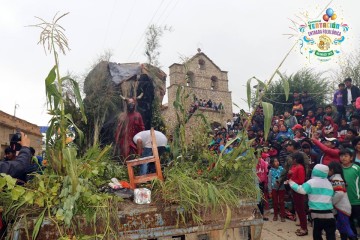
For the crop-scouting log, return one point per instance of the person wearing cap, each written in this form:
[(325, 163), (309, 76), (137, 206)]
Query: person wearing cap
[(330, 150), (350, 92), (320, 193)]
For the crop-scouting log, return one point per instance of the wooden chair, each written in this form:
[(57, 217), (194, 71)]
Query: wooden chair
[(135, 162)]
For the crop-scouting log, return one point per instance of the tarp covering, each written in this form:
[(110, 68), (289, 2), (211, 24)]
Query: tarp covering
[(122, 72)]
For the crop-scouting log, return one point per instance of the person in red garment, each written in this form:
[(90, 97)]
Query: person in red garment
[(130, 123), (297, 175), (329, 147)]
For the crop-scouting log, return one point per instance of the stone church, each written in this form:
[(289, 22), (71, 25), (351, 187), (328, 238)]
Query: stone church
[(204, 80)]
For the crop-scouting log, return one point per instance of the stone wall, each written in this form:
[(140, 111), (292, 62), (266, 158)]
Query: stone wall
[(9, 125), (203, 81)]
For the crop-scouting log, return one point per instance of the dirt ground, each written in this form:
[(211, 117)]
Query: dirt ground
[(283, 230)]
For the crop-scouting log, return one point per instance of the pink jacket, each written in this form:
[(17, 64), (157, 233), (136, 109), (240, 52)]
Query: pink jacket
[(262, 171), (357, 103)]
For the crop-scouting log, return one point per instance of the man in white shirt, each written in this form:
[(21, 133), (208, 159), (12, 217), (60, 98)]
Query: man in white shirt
[(350, 93), (144, 147)]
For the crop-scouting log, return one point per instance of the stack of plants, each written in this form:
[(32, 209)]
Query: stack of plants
[(196, 180)]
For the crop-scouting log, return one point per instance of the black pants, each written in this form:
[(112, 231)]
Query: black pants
[(329, 225), (355, 214), (261, 203)]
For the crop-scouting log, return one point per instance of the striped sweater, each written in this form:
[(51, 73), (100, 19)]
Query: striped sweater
[(340, 200), (318, 188)]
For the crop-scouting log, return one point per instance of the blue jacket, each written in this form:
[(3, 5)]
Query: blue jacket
[(274, 175)]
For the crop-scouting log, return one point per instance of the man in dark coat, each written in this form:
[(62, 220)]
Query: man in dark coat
[(350, 93), (17, 168)]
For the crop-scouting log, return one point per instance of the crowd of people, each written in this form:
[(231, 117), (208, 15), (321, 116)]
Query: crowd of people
[(202, 103), (309, 163)]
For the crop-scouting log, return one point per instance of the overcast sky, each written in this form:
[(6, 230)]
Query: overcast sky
[(244, 38)]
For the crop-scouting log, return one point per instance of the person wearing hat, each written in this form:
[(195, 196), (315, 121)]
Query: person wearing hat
[(330, 150), (350, 92)]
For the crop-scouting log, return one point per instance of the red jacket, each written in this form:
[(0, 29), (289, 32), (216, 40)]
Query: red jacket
[(330, 154), (297, 173)]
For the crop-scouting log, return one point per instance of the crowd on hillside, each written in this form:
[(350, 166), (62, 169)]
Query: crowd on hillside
[(311, 151)]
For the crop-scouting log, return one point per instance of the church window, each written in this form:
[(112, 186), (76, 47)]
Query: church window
[(201, 64), (214, 83), (190, 78)]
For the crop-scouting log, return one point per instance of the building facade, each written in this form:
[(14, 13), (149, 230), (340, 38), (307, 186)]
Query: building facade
[(201, 79), (10, 124)]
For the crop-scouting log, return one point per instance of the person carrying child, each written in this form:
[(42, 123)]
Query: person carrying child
[(276, 192), (320, 192), (340, 200)]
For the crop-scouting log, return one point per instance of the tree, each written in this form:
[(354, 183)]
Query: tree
[(305, 79), (350, 69), (153, 35)]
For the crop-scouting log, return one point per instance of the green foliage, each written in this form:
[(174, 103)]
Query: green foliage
[(351, 69), (157, 120), (69, 186), (316, 85), (268, 114), (153, 35)]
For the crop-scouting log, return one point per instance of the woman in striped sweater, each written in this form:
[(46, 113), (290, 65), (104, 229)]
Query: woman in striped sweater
[(320, 193)]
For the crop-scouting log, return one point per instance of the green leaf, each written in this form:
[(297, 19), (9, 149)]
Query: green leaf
[(11, 182), (79, 100), (17, 192), (285, 85), (38, 223), (227, 219), (50, 79), (268, 114), (60, 215), (79, 132), (2, 183), (29, 197), (39, 200), (248, 92), (41, 187)]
